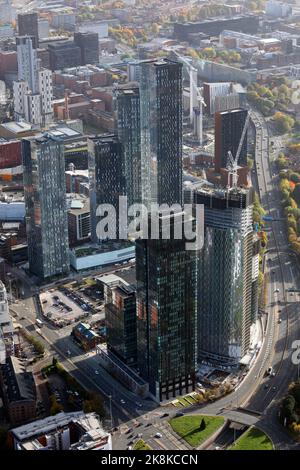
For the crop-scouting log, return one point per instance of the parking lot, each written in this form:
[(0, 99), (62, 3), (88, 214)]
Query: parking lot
[(61, 308)]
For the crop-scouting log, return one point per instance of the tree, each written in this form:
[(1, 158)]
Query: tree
[(252, 6), (94, 403), (202, 425), (252, 96), (209, 52), (283, 122), (296, 193), (295, 392), (55, 407), (234, 57), (193, 53), (264, 239), (155, 28), (288, 407), (284, 184), (281, 161), (295, 177), (283, 89), (291, 221), (295, 428)]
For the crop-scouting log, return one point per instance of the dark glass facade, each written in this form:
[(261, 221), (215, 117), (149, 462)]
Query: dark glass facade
[(120, 321), (89, 47), (28, 26), (161, 131), (127, 102), (63, 55), (166, 316), (229, 126), (45, 202), (106, 174)]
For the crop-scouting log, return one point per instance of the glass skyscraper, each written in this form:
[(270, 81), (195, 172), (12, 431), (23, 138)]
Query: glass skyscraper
[(166, 315), (228, 272), (106, 174), (229, 126), (120, 321), (161, 131), (128, 123), (166, 271), (45, 202)]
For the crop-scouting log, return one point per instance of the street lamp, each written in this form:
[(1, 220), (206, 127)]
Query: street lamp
[(110, 409)]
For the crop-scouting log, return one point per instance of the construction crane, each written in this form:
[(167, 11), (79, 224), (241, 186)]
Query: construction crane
[(67, 109), (194, 89), (232, 162)]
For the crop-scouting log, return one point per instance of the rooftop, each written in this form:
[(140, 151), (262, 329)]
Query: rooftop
[(19, 384), (17, 127), (87, 422), (85, 330), (111, 280)]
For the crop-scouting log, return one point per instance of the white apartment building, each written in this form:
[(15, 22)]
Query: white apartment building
[(33, 92), (20, 89), (6, 326), (46, 92), (28, 62)]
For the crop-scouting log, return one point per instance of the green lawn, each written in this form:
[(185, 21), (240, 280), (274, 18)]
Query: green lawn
[(141, 445), (188, 427), (253, 439)]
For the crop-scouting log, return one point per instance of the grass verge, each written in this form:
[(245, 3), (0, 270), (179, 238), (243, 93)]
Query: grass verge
[(253, 439), (197, 428), (141, 445)]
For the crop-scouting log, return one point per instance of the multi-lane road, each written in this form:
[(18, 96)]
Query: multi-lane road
[(122, 404), (256, 399)]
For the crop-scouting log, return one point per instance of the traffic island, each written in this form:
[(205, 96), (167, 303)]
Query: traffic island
[(196, 429), (141, 445), (253, 439)]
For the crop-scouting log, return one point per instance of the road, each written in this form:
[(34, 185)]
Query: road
[(256, 399), (125, 405)]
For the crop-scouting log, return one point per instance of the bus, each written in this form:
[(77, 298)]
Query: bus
[(39, 322)]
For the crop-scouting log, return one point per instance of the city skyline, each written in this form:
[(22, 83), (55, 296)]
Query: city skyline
[(150, 228)]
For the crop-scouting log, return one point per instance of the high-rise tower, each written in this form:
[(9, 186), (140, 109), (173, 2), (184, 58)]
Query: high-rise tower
[(45, 202), (28, 25), (166, 271), (161, 131), (128, 124), (33, 92), (28, 62), (106, 173), (229, 127), (167, 313), (228, 271)]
